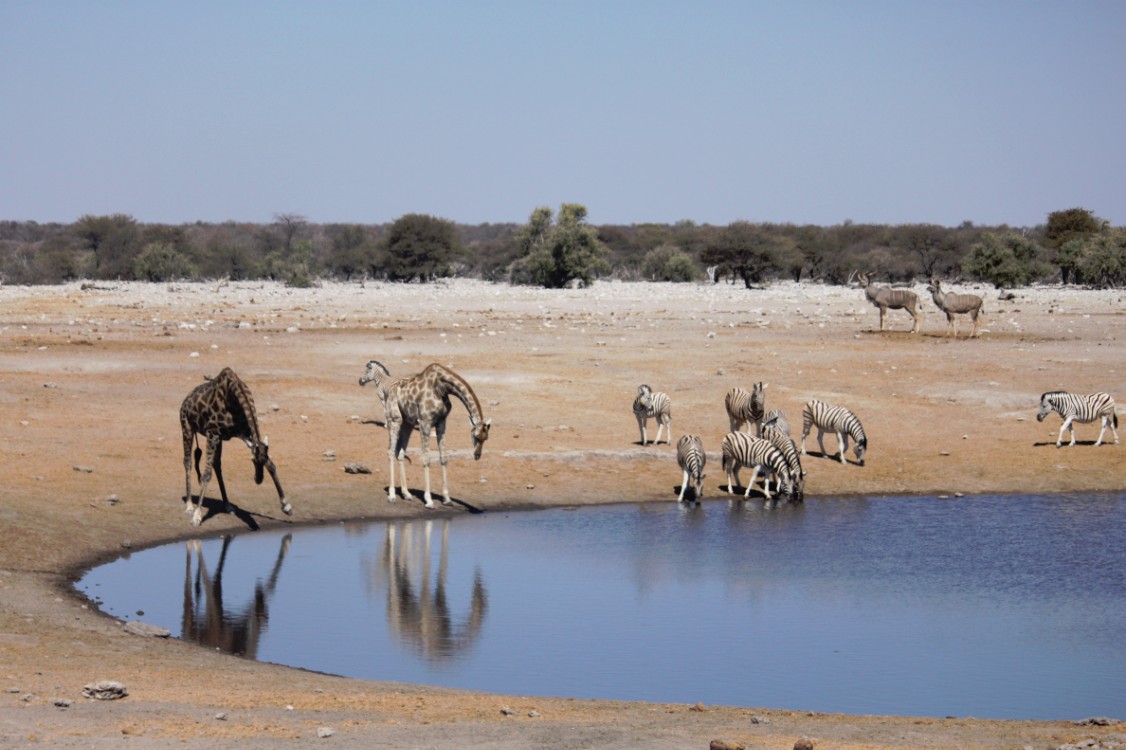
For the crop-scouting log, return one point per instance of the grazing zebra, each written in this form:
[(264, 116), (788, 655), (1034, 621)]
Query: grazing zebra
[(776, 419), (784, 443), (740, 449), (746, 408), (1075, 408), (836, 419), (656, 405), (691, 458)]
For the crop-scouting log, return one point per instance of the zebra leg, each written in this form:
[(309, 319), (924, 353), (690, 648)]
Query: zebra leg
[(754, 478), (842, 444), (641, 422), (821, 441), (1066, 424), (683, 487), (883, 312)]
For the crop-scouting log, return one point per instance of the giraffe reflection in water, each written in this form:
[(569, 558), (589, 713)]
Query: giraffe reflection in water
[(209, 620), (418, 609)]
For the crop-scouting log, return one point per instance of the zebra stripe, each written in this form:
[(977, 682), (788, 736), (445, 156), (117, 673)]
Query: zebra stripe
[(690, 456), (1073, 407), (776, 419), (650, 404), (375, 372), (740, 449), (746, 408), (784, 443), (834, 419)]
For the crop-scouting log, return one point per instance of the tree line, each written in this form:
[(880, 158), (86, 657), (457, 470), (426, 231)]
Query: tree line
[(560, 248)]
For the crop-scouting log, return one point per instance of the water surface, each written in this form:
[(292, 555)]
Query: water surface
[(991, 606)]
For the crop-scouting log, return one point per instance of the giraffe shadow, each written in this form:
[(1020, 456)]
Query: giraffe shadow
[(215, 507), (418, 495)]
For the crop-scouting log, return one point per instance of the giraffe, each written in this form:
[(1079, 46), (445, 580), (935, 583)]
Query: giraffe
[(422, 402), (220, 409)]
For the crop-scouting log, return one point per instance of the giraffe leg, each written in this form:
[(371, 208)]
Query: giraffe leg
[(424, 437), (212, 443), (217, 464), (442, 460), (188, 439), (401, 447)]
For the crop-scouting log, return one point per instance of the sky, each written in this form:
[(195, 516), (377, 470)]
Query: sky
[(805, 112)]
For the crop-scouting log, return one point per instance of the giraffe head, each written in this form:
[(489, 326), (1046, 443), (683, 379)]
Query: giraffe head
[(480, 435), (260, 454)]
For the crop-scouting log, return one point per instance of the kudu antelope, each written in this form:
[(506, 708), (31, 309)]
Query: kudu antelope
[(884, 298), (955, 304)]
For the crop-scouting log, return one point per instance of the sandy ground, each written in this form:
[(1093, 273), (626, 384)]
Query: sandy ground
[(93, 379)]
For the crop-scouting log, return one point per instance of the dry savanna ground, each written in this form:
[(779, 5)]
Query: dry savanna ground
[(93, 378)]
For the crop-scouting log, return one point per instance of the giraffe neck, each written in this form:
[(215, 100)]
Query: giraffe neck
[(237, 390), (449, 382)]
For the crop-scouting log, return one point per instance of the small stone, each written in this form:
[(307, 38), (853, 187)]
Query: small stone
[(356, 469), (13, 690), (325, 732), (83, 469), (61, 702), (221, 716), (29, 697), (113, 500), (506, 711), (725, 745), (759, 720), (106, 690), (533, 714), (803, 743)]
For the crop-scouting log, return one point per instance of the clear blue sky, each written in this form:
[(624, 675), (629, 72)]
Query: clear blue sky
[(808, 112)]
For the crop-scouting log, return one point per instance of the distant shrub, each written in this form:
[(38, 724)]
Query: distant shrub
[(159, 261)]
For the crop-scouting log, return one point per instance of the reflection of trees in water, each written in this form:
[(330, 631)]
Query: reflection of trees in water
[(207, 618), (418, 610)]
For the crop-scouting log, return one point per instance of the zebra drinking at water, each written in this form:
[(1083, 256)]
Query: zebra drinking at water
[(740, 449), (1073, 407), (784, 443), (746, 408), (656, 405), (835, 419), (690, 456)]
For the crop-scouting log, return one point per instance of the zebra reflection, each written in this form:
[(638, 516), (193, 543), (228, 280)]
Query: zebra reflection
[(418, 609), (207, 619)]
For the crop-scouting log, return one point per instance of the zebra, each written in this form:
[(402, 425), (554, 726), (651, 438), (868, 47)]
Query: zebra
[(784, 443), (776, 419), (746, 408), (690, 456), (740, 449), (652, 404), (1075, 408), (375, 372), (839, 420)]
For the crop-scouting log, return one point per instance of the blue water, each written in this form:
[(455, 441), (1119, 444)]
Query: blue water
[(990, 606)]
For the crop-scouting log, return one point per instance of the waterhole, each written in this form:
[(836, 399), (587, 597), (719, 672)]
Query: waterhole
[(990, 606)]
